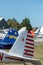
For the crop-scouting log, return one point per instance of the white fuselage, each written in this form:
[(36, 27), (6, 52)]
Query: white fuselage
[(7, 57)]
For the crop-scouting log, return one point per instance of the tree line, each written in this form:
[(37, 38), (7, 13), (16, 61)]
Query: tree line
[(13, 23)]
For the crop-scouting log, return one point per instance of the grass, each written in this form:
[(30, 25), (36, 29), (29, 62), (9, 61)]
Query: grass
[(38, 54)]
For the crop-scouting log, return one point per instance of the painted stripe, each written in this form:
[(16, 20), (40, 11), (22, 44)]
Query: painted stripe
[(29, 40), (28, 54), (29, 32), (19, 59), (11, 36), (30, 43), (29, 36), (29, 47), (28, 50)]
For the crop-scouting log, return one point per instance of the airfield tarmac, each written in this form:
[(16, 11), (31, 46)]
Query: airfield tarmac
[(38, 54), (38, 40)]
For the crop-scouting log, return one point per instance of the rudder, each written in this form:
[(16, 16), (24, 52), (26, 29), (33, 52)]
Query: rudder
[(24, 45)]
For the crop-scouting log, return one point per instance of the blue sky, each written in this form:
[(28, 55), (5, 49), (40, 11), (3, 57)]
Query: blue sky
[(20, 9)]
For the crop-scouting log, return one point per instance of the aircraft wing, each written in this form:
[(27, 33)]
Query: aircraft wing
[(24, 59), (33, 61)]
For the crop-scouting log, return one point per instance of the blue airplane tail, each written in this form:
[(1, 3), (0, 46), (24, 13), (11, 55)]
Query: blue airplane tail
[(9, 39), (11, 36)]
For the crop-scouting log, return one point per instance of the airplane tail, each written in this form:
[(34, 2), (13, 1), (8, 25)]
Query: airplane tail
[(24, 44), (10, 38)]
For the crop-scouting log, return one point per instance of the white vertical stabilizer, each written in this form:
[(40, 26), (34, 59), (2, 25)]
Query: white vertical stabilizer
[(24, 45)]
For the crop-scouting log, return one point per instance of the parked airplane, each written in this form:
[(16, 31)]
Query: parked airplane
[(39, 32), (22, 50), (9, 39)]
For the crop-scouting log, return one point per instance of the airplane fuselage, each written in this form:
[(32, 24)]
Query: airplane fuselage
[(7, 58)]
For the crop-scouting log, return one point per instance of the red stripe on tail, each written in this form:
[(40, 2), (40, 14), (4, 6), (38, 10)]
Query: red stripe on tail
[(28, 54), (29, 40), (29, 47), (29, 36), (26, 51), (30, 43)]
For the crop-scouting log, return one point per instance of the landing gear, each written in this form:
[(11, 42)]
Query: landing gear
[(24, 63)]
